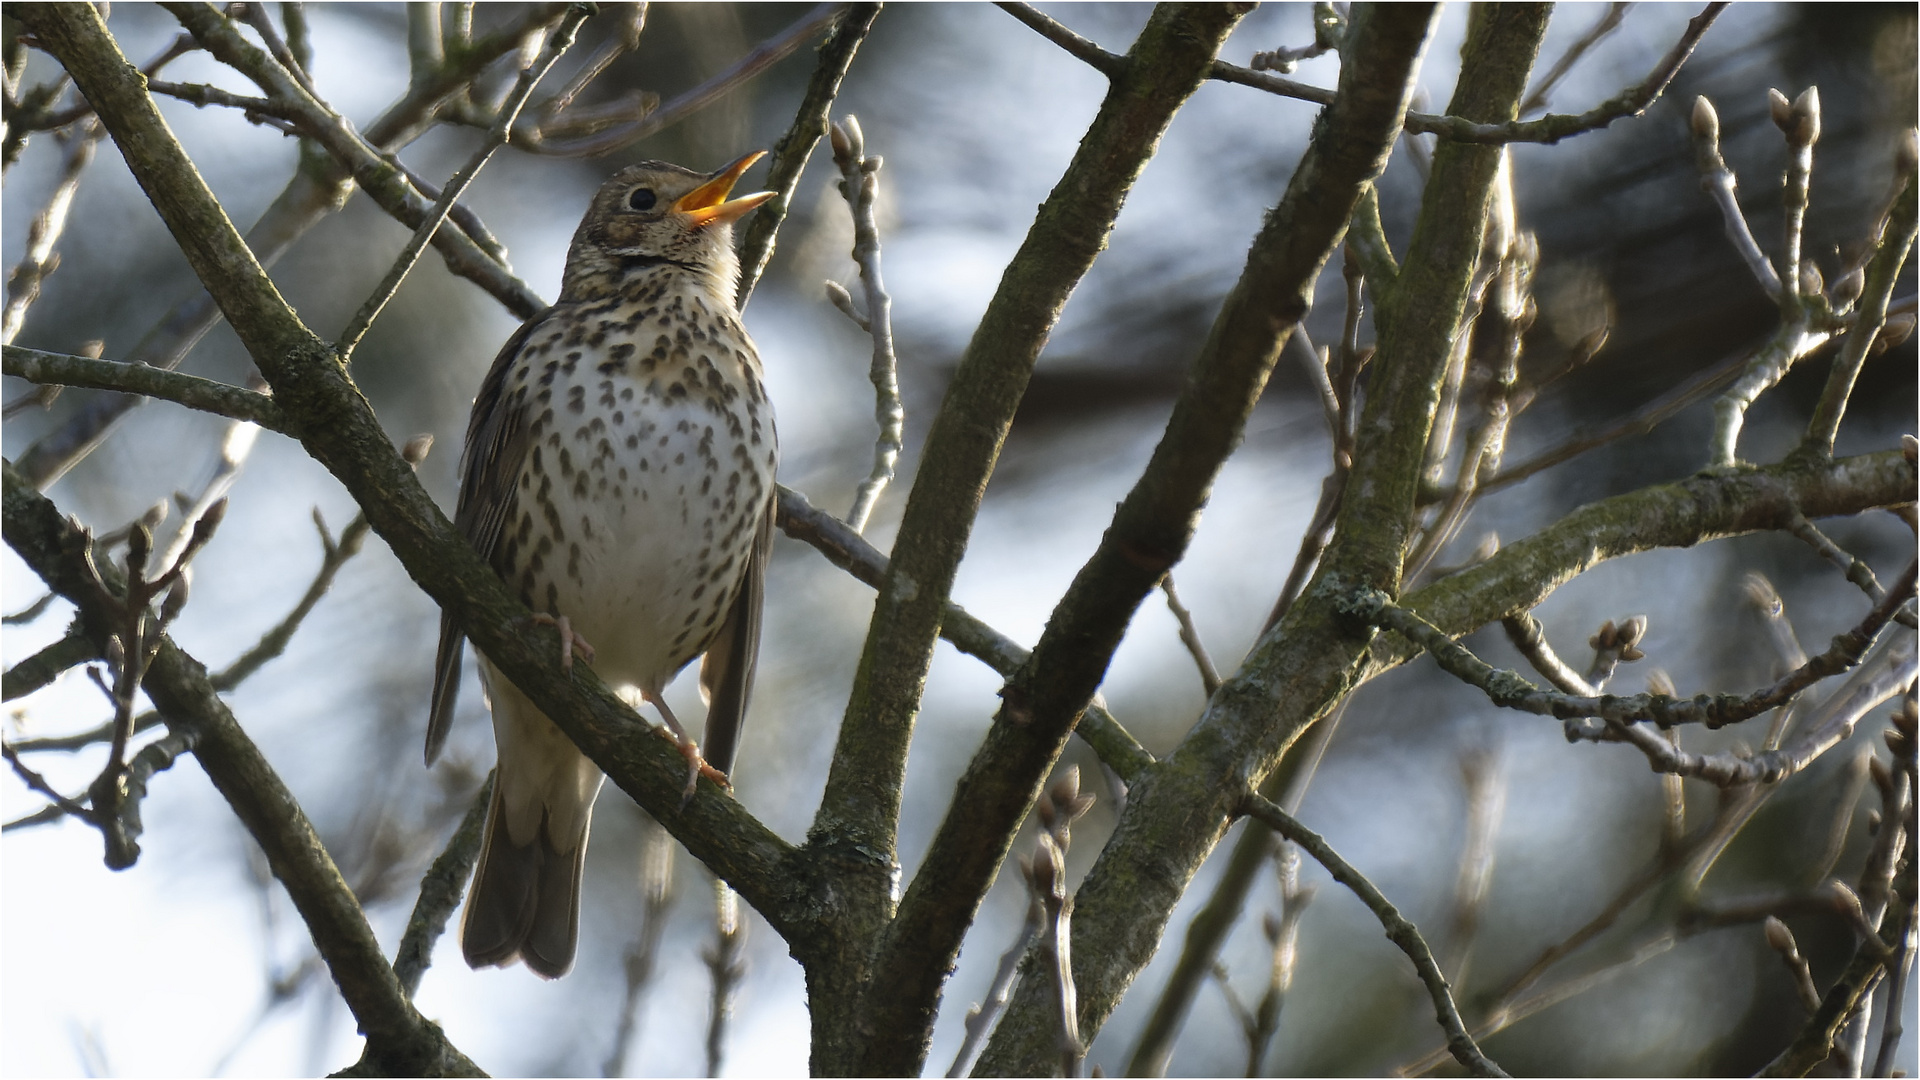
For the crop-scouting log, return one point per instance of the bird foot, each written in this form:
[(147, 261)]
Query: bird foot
[(696, 765), (570, 642)]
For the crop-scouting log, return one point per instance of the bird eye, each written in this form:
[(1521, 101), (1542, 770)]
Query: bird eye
[(641, 199)]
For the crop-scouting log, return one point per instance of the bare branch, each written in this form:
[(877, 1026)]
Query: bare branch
[(859, 185), (1080, 48), (440, 892), (1190, 637), (790, 154), (1718, 180), (1895, 242), (1633, 101), (1509, 690), (763, 56), (557, 45), (43, 233), (1399, 930), (1603, 27)]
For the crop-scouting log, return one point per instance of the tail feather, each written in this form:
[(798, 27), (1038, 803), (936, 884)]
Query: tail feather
[(525, 901)]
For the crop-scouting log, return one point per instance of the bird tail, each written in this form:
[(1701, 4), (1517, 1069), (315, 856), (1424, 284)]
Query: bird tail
[(525, 900)]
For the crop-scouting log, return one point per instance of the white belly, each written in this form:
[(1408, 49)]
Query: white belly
[(636, 513)]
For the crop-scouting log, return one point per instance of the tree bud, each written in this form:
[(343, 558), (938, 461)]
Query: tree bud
[(1811, 283), (1706, 122), (1806, 117), (416, 449), (1845, 291), (1780, 938), (1781, 110)]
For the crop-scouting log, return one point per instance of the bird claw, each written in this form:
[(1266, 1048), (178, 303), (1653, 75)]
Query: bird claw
[(697, 767), (570, 642)]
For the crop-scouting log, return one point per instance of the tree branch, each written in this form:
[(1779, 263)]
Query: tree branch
[(1400, 931), (57, 551), (1303, 665)]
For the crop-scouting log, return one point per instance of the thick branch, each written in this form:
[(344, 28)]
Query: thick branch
[(1152, 527), (1300, 668), (860, 809), (322, 407), (206, 395)]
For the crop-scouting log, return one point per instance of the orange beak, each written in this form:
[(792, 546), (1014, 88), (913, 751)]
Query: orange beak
[(708, 204)]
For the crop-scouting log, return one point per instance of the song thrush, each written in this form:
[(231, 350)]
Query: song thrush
[(619, 475)]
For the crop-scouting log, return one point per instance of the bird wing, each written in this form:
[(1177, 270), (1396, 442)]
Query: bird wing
[(726, 673), (497, 444)]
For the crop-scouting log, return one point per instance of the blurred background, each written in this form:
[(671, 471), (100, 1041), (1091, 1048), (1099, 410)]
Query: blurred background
[(193, 962)]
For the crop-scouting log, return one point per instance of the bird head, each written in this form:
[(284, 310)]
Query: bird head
[(657, 214)]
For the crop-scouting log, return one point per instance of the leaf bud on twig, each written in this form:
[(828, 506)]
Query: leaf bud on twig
[(1895, 331), (1781, 110), (176, 599), (1811, 283), (1845, 291), (838, 295), (1781, 938), (1806, 117), (1877, 769), (416, 449), (1706, 122)]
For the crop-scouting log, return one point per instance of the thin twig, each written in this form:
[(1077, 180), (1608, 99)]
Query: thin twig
[(1113, 744), (1543, 87), (38, 783), (1632, 101), (759, 59), (1528, 636), (1190, 637), (1718, 180), (440, 891), (1080, 48), (727, 966), (1399, 930), (981, 1017), (1857, 572), (1883, 269), (790, 154), (1509, 690), (43, 233), (1283, 938), (859, 185), (656, 887), (557, 45), (274, 642)]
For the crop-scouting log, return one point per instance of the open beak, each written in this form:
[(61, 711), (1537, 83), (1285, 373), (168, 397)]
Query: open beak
[(708, 204)]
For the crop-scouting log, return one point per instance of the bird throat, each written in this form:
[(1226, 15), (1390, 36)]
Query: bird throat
[(642, 262)]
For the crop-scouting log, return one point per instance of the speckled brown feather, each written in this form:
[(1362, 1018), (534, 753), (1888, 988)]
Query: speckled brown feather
[(618, 472)]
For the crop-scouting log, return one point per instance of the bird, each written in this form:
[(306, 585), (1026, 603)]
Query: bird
[(618, 474)]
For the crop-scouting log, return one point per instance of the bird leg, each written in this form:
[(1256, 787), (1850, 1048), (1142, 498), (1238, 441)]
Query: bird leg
[(569, 641), (696, 765)]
